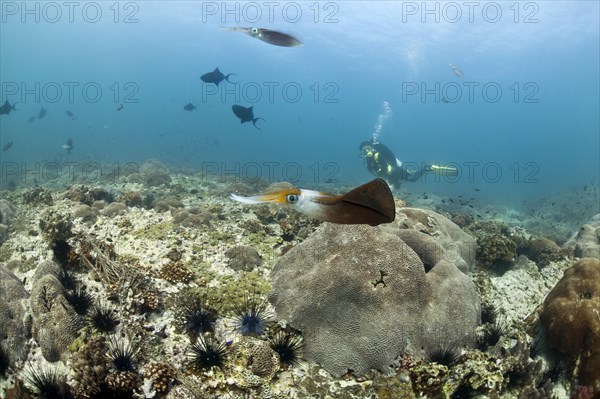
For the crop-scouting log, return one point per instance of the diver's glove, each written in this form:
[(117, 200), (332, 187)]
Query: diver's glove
[(442, 170)]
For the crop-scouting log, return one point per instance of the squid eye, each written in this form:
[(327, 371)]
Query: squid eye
[(254, 31), (291, 198)]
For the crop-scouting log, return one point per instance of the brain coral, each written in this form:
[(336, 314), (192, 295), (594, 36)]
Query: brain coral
[(439, 237), (55, 322), (13, 328), (571, 318), (361, 296)]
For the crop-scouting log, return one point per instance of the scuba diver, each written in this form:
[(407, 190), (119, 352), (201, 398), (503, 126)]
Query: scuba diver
[(382, 162)]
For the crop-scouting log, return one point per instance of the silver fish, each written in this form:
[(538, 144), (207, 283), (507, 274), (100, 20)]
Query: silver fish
[(269, 36)]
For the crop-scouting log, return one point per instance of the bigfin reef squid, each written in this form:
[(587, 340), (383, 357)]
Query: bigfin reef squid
[(273, 37), (371, 203)]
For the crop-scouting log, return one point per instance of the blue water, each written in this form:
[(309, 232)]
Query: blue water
[(538, 137)]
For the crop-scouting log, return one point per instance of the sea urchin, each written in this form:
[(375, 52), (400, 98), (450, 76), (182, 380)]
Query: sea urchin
[(288, 346), (197, 316), (103, 318), (47, 383), (207, 352), (252, 318), (121, 354)]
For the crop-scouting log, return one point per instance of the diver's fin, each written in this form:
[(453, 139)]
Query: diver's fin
[(443, 170), (375, 195)]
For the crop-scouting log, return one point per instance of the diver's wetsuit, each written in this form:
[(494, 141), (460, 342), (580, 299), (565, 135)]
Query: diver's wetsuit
[(382, 162)]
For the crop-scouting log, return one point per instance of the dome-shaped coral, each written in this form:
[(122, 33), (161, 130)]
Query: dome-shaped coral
[(361, 296), (571, 318)]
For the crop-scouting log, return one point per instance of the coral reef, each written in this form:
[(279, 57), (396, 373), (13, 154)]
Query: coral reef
[(165, 259), (498, 244), (585, 243), (361, 296), (570, 318), (13, 327)]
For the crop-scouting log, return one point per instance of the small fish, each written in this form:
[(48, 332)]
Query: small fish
[(269, 36), (42, 113), (119, 107), (6, 108), (216, 77), (372, 203), (189, 107), (456, 71), (70, 115), (444, 99), (68, 146), (31, 119), (477, 189), (7, 146), (245, 114)]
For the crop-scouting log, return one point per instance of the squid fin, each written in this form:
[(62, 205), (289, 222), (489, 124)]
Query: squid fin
[(376, 198)]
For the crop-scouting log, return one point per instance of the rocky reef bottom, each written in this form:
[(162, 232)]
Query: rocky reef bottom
[(154, 284)]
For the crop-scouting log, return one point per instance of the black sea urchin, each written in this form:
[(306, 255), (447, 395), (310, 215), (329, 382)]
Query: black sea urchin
[(4, 361), (489, 313), (103, 318), (61, 249), (464, 391), (288, 346), (207, 352), (445, 354), (47, 383), (253, 317), (121, 354), (491, 336), (80, 299), (197, 316)]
